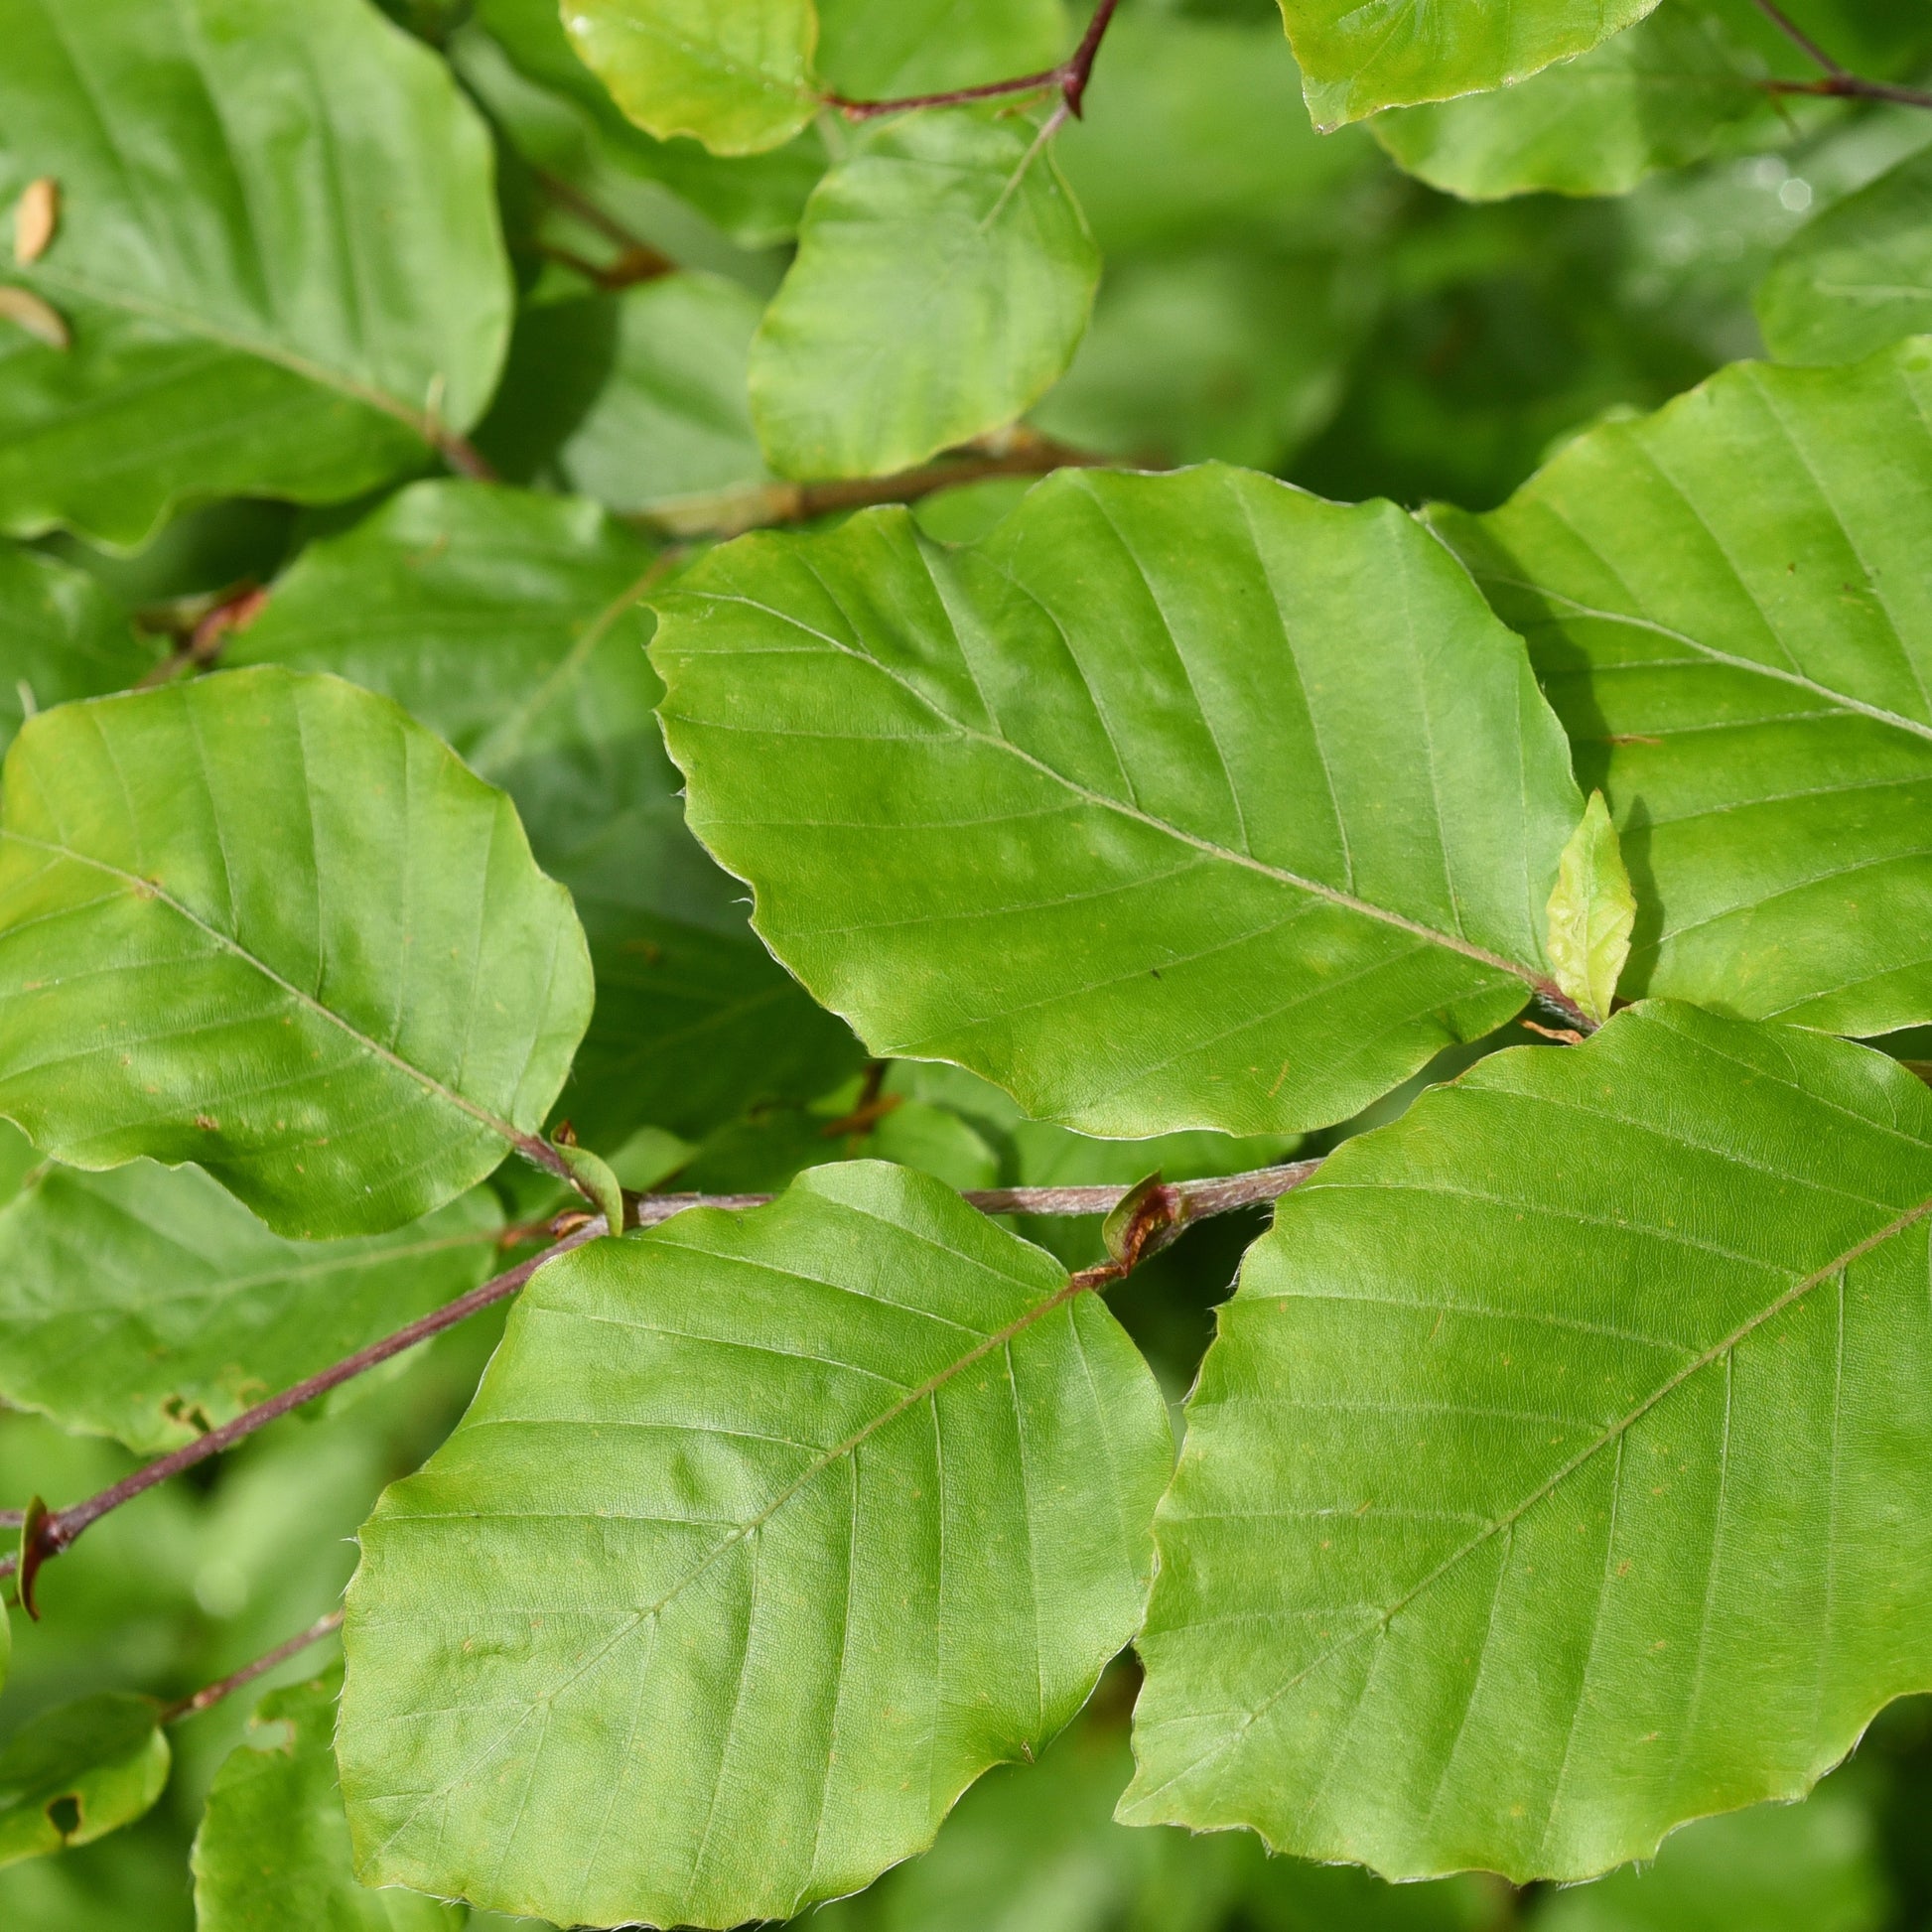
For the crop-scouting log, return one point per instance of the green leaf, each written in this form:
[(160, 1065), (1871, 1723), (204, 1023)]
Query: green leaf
[(78, 1773), (757, 199), (943, 280), (1195, 129), (1728, 607), (276, 286), (509, 624), (1774, 1868), (1178, 801), (272, 1854), (735, 74), (62, 636), (1563, 1467), (266, 923), (883, 50), (765, 1535), (1856, 277), (1355, 59), (152, 1305), (1592, 913), (1675, 88), (636, 399)]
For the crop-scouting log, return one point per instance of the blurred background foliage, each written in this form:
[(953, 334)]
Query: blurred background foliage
[(1272, 297)]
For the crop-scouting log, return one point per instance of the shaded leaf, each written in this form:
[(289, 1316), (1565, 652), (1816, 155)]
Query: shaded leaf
[(62, 636), (943, 279), (1178, 801), (757, 199), (662, 422), (1675, 88), (733, 74), (152, 1305), (1558, 1472), (1592, 913), (266, 923), (1856, 277), (509, 624), (274, 286), (77, 1773), (765, 1535), (1355, 59), (1728, 607), (272, 1854)]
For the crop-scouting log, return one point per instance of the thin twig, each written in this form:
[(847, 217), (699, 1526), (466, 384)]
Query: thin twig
[(1068, 76), (1166, 1210), (1839, 83), (643, 260), (1797, 36), (211, 1694), (61, 1526), (730, 512)]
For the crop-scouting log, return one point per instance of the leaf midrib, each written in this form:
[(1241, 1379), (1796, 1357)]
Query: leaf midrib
[(1279, 875), (151, 889), (1613, 1434)]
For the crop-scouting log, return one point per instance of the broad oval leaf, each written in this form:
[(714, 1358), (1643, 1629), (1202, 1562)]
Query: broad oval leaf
[(1856, 277), (511, 625), (79, 1772), (272, 1852), (765, 1535), (1356, 59), (152, 1306), (1176, 801), (62, 636), (1561, 1469), (735, 74), (267, 923), (1728, 606), (275, 285), (943, 280), (1675, 88)]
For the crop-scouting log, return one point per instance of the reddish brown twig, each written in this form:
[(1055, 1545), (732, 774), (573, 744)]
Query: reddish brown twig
[(1837, 82), (1172, 1207), (1069, 80), (211, 1694)]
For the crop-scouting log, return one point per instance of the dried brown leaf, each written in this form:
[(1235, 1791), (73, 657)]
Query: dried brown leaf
[(41, 320), (36, 216)]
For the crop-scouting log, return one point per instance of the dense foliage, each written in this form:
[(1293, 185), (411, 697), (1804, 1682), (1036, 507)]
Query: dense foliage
[(740, 734)]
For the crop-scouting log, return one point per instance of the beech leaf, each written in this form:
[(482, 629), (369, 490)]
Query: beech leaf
[(1673, 88), (764, 1535), (277, 254), (62, 635), (79, 1772), (152, 1306), (943, 280), (735, 74), (272, 1854), (1856, 277), (1561, 1469), (267, 923), (1356, 59), (1592, 913), (1726, 603), (1176, 801), (510, 623)]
